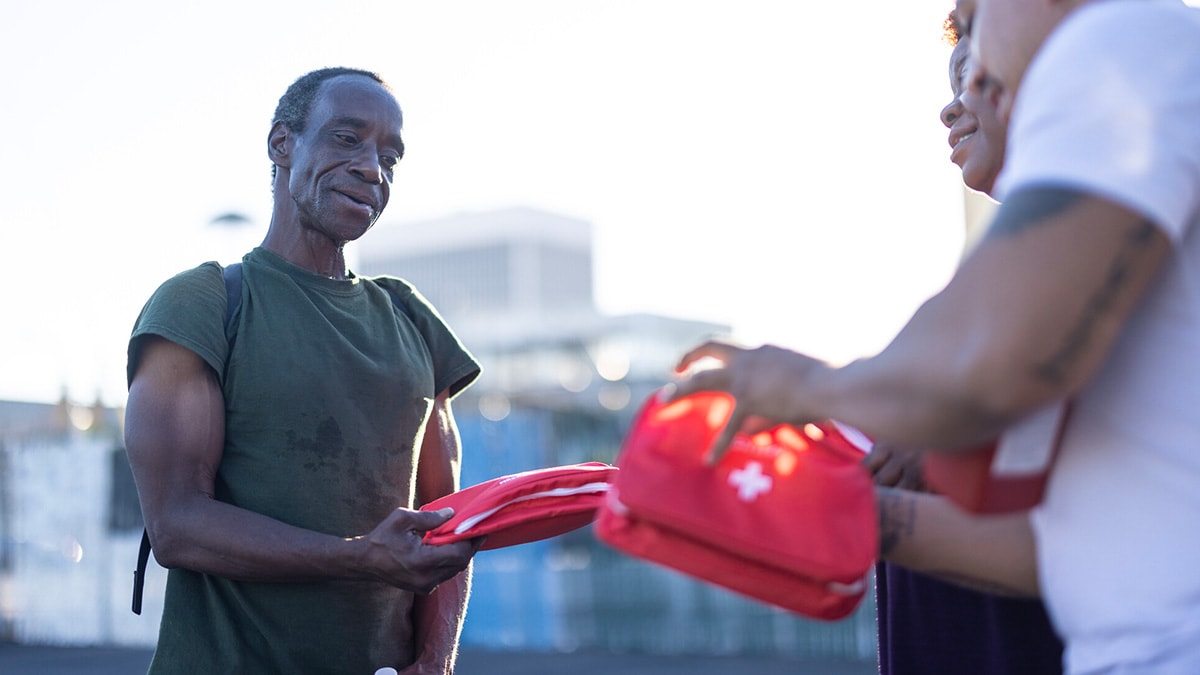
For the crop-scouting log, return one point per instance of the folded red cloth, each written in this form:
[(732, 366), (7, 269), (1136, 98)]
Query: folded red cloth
[(1009, 474), (524, 507), (786, 517)]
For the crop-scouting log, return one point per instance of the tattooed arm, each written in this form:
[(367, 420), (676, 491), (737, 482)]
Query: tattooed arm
[(928, 534), (1029, 316)]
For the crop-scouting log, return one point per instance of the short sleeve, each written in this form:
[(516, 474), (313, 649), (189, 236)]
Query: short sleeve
[(1111, 106), (189, 310), (454, 367)]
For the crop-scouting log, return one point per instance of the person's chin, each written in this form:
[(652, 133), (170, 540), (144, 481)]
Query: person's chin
[(357, 222), (978, 179)]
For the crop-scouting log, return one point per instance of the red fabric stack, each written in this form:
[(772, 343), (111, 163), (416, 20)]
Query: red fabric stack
[(524, 507)]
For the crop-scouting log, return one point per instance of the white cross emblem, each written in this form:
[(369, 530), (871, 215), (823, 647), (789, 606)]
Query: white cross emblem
[(750, 481)]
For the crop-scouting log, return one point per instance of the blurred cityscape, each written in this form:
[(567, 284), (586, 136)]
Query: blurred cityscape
[(561, 382)]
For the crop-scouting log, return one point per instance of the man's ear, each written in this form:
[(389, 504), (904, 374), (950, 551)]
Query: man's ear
[(279, 145)]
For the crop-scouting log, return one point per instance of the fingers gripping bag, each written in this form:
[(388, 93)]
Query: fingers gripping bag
[(787, 516)]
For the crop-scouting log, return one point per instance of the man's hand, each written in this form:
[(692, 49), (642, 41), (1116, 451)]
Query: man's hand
[(768, 385), (396, 555), (895, 466)]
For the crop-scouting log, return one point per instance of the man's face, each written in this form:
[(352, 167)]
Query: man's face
[(341, 166)]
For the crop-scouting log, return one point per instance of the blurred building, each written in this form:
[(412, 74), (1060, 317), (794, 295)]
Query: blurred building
[(69, 527), (520, 264), (516, 285)]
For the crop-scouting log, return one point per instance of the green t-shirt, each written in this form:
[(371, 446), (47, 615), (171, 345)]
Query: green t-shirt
[(327, 390)]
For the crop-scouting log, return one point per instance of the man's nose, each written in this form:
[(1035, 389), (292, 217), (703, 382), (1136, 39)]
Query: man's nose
[(366, 166)]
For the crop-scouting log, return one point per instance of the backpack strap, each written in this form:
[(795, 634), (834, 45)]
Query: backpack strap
[(233, 298), (139, 574)]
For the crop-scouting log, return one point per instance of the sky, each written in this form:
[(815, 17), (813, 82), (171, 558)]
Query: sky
[(775, 165)]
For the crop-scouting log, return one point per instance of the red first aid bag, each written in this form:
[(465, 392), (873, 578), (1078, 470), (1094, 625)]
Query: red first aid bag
[(1008, 475), (524, 507), (787, 516)]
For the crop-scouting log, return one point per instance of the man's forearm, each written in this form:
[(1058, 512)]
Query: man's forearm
[(216, 538), (927, 533), (1028, 318), (437, 624), (907, 397)]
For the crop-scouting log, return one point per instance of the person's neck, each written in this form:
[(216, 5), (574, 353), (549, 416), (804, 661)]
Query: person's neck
[(307, 248)]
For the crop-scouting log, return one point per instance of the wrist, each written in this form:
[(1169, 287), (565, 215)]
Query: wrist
[(819, 387), (353, 560)]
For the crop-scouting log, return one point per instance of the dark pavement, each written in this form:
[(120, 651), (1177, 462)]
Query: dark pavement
[(39, 660)]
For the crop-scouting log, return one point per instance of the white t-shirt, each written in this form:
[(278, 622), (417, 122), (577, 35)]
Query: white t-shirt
[(1111, 106)]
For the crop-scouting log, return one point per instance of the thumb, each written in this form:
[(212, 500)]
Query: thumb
[(724, 438), (423, 521)]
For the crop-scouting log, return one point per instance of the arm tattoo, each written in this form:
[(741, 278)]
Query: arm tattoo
[(897, 518), (1032, 207), (1137, 239), (898, 521)]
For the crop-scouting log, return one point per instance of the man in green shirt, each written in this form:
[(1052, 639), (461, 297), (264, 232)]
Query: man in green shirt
[(281, 434)]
